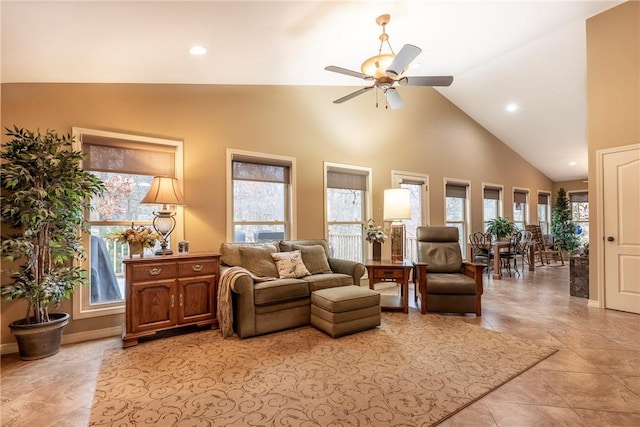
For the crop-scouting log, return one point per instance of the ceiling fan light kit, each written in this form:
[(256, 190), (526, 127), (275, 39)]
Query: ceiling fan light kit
[(386, 70)]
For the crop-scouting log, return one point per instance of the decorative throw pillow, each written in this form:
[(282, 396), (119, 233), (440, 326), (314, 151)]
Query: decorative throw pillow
[(258, 260), (290, 264), (314, 258)]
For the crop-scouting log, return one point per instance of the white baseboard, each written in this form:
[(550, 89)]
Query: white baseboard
[(593, 303), (113, 331)]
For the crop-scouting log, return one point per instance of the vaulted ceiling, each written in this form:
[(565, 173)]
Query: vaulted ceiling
[(529, 53)]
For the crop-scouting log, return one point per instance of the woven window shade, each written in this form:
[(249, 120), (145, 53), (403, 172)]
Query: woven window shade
[(519, 197), (543, 199), (578, 197), (348, 181), (248, 171), (492, 193), (457, 191), (116, 155)]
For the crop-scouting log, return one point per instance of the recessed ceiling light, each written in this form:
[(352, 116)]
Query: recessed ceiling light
[(197, 50), (512, 107), (572, 163)]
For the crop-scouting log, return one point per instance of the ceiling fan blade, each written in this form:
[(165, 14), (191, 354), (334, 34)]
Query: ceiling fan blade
[(353, 95), (426, 81), (347, 72), (402, 60), (393, 98)]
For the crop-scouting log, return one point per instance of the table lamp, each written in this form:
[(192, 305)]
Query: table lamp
[(397, 206), (164, 191)]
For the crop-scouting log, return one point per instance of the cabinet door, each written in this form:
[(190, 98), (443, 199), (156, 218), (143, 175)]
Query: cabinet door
[(153, 305), (196, 299)]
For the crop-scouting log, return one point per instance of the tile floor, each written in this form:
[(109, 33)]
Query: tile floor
[(593, 380)]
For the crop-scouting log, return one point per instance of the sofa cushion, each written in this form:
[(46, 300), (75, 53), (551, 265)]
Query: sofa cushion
[(330, 280), (230, 254), (287, 245), (290, 264), (258, 260), (280, 290), (314, 258)]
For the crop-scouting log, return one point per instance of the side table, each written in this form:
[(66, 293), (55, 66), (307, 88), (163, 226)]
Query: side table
[(391, 271)]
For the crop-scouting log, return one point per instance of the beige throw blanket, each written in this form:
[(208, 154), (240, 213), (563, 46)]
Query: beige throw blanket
[(225, 304)]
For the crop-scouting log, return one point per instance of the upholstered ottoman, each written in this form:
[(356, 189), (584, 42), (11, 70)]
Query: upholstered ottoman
[(345, 309)]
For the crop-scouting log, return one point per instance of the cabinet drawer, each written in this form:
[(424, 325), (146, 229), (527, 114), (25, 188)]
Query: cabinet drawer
[(388, 273), (154, 272), (197, 268)]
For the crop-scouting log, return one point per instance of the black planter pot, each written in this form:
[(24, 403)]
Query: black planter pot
[(39, 340)]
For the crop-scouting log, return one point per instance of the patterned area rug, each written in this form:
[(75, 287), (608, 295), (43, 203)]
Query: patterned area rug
[(413, 370)]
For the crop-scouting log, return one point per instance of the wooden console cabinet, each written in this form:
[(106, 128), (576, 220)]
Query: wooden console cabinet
[(167, 292)]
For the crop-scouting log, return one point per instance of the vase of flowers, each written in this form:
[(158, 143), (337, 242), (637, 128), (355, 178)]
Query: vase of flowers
[(375, 235), (138, 238)]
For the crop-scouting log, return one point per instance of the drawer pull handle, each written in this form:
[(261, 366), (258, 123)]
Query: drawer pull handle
[(181, 299), (173, 300), (155, 271), (196, 267)]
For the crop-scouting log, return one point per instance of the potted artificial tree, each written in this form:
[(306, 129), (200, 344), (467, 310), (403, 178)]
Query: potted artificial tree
[(562, 226), (500, 227), (44, 197)]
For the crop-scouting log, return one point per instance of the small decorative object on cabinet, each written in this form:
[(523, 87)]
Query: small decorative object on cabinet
[(169, 292)]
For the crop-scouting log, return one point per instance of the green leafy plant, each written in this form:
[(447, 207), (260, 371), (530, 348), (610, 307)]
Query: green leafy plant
[(500, 227), (44, 197), (562, 226)]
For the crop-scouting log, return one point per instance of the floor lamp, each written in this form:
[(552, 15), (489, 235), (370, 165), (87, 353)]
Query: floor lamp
[(164, 191), (397, 206)]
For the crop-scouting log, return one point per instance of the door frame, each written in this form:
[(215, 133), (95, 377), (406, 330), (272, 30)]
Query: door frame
[(599, 238)]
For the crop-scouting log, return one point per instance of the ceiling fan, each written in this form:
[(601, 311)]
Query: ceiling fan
[(386, 71)]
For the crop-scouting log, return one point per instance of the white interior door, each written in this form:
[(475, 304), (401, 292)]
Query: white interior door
[(621, 202)]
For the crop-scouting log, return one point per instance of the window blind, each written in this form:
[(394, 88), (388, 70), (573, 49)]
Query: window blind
[(519, 197), (346, 180), (248, 171), (543, 199), (116, 155), (492, 193), (457, 191), (578, 197)]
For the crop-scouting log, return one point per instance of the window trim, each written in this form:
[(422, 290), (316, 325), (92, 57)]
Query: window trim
[(248, 156), (500, 210), (527, 214), (548, 205), (353, 169), (82, 308), (467, 207)]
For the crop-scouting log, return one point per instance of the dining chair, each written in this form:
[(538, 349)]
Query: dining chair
[(481, 249), (510, 254)]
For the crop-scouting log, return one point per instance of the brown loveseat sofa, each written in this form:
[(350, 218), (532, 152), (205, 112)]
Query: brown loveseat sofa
[(265, 305)]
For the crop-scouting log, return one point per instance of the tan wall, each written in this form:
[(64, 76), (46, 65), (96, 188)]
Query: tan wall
[(430, 135), (613, 93)]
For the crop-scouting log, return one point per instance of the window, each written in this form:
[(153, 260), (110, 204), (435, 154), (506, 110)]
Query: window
[(492, 203), (417, 186), (544, 212), (520, 208), (456, 210), (580, 214), (347, 204), (126, 164), (261, 197)]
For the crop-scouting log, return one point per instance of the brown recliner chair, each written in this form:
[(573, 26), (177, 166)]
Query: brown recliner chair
[(446, 284)]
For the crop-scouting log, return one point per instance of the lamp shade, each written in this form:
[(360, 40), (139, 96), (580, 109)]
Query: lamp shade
[(164, 191), (397, 204)]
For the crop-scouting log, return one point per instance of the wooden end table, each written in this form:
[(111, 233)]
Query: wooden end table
[(391, 271)]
